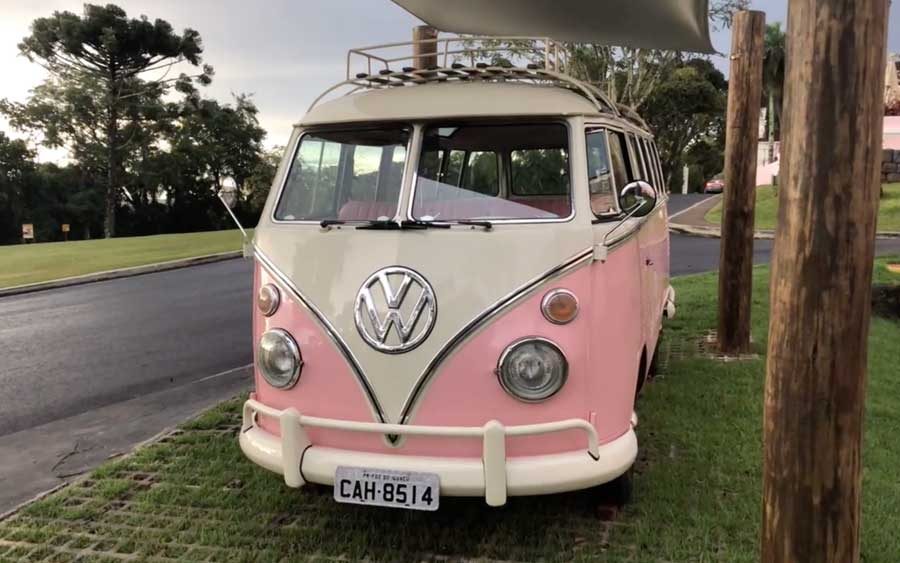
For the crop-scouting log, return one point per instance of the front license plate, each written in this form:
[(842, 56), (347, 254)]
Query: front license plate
[(383, 487)]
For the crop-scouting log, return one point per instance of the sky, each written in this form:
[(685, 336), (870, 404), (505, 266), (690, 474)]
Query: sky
[(282, 52)]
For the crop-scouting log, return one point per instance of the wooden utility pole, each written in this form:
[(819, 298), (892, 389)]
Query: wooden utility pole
[(739, 196), (424, 47), (821, 280)]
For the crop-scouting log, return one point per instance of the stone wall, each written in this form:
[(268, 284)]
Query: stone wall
[(890, 167)]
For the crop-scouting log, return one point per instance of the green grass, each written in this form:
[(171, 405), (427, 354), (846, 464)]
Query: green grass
[(31, 263), (767, 209), (697, 491)]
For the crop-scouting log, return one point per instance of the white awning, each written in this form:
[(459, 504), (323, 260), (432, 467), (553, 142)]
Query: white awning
[(680, 25)]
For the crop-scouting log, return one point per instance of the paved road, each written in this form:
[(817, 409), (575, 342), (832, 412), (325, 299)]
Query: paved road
[(89, 371), (71, 350)]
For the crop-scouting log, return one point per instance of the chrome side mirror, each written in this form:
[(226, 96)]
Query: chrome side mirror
[(638, 198)]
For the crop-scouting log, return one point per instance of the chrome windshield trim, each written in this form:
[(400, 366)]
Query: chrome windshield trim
[(583, 257), (329, 329)]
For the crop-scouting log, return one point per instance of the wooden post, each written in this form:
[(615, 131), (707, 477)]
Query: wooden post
[(821, 280), (739, 196), (424, 54)]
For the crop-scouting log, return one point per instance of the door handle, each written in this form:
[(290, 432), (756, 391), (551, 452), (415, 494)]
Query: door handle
[(648, 262)]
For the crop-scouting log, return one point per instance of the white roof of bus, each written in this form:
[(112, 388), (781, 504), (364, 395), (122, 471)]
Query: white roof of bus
[(450, 100)]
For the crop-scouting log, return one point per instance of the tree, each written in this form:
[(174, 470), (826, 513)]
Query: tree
[(627, 76), (687, 107), (773, 79), (116, 54), (210, 142), (256, 188), (16, 173)]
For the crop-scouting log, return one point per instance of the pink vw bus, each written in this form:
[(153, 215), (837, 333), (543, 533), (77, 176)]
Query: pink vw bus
[(460, 278)]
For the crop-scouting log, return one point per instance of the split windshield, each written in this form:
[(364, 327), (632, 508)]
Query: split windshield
[(345, 175), (465, 172), (491, 172)]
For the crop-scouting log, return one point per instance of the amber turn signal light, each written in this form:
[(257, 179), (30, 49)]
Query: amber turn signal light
[(560, 306)]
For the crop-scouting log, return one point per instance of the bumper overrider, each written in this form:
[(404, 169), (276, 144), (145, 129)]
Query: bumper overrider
[(493, 477)]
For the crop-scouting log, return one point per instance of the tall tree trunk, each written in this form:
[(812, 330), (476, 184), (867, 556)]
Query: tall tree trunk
[(821, 281), (770, 118), (112, 165), (739, 198)]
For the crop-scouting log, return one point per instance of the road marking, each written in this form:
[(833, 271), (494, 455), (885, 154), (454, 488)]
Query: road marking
[(702, 201), (222, 373)]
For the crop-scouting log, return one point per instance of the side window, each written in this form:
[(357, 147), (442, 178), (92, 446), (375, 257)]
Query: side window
[(622, 168), (648, 163), (482, 173), (639, 166), (600, 180), (662, 177)]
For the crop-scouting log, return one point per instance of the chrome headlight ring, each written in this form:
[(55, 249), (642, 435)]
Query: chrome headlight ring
[(278, 358), (532, 369)]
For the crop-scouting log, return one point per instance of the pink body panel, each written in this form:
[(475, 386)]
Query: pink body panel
[(602, 346)]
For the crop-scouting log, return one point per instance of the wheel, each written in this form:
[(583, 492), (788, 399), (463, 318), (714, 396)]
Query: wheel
[(621, 488), (653, 370), (617, 492)]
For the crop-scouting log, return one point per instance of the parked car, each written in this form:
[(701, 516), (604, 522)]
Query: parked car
[(714, 186), (460, 281)]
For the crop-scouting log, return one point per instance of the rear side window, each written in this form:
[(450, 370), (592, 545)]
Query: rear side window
[(659, 170), (648, 163), (539, 172), (639, 169), (482, 173)]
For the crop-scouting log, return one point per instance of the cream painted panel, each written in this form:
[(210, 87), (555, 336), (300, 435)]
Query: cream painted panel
[(430, 101), (469, 270)]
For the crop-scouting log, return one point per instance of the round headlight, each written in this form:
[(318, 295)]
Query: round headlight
[(268, 299), (533, 369), (560, 306), (278, 358)]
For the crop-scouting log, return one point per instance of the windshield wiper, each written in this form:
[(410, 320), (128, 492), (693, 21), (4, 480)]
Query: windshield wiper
[(487, 225), (325, 223), (395, 226)]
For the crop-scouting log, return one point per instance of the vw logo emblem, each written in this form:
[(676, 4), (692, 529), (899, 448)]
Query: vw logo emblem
[(395, 310)]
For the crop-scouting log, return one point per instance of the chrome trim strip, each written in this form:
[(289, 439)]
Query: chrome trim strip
[(329, 329), (464, 333)]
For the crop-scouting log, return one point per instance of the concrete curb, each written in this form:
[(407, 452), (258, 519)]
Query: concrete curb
[(711, 201), (715, 232), (120, 273)]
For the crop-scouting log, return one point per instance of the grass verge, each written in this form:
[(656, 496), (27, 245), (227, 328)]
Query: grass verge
[(193, 496), (767, 209), (32, 263)]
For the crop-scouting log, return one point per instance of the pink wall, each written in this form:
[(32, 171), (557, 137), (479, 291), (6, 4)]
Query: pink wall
[(892, 132), (891, 140)]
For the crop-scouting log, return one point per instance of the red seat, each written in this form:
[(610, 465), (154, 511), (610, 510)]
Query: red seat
[(355, 210), (557, 205)]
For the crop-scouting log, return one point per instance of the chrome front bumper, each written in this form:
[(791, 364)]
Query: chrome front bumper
[(493, 477)]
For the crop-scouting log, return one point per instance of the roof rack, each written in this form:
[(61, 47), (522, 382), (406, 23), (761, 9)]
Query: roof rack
[(456, 49), (467, 48)]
